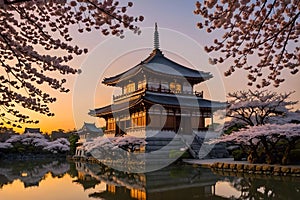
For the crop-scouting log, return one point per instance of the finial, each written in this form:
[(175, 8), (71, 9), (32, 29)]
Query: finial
[(156, 37)]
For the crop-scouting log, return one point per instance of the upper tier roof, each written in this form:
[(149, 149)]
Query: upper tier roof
[(158, 64)]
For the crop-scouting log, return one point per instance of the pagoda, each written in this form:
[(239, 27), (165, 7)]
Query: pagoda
[(157, 94)]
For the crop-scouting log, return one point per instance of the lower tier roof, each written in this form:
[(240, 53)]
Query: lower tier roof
[(167, 100)]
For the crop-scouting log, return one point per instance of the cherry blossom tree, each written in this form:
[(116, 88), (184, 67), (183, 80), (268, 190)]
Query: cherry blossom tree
[(35, 143), (258, 107), (263, 30), (35, 47), (262, 140)]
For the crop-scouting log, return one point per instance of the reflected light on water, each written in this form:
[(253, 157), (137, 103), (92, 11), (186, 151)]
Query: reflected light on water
[(225, 189), (50, 188), (60, 180)]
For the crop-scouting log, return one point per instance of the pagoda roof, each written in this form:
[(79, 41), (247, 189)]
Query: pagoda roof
[(158, 64), (114, 107), (90, 127), (87, 184), (32, 130), (169, 100), (182, 100)]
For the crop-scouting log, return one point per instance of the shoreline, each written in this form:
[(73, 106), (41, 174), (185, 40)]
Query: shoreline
[(229, 166), (29, 156), (221, 166)]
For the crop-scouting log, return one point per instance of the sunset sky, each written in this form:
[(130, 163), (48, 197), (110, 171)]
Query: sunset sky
[(180, 40)]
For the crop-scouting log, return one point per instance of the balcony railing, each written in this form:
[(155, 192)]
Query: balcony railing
[(122, 96), (110, 132), (168, 91), (159, 90)]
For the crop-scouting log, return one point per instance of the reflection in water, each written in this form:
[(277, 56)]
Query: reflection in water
[(30, 172), (93, 181), (270, 188), (173, 182)]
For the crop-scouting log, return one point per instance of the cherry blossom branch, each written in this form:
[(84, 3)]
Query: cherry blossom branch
[(26, 25), (269, 29)]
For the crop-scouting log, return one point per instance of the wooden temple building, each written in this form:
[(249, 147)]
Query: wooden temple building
[(157, 94), (87, 133)]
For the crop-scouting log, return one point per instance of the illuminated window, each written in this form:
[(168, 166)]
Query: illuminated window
[(138, 119), (129, 88), (172, 87), (111, 124), (175, 87), (142, 84), (178, 88), (144, 119), (111, 188), (138, 194)]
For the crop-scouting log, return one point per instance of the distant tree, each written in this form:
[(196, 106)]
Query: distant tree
[(263, 30), (35, 47), (6, 133), (258, 107), (6, 130), (73, 139)]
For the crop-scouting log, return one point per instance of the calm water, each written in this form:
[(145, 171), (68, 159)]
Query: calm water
[(55, 180)]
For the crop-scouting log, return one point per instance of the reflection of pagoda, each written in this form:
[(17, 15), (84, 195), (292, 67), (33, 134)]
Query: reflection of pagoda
[(173, 182), (158, 94), (85, 179)]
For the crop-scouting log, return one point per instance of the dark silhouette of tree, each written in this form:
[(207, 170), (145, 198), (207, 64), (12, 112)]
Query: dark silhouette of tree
[(35, 46)]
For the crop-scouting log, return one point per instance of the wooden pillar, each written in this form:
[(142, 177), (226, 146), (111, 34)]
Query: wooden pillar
[(188, 123), (201, 120), (106, 123), (136, 85), (118, 131), (147, 117), (160, 123), (174, 121)]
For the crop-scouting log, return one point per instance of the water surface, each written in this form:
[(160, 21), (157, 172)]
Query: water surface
[(51, 179)]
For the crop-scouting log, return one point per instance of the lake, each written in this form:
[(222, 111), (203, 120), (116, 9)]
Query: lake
[(62, 180)]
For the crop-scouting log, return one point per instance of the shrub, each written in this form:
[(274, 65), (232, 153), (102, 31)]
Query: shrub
[(239, 155), (294, 156)]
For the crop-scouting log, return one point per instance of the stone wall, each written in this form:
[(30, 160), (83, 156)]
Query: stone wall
[(260, 169)]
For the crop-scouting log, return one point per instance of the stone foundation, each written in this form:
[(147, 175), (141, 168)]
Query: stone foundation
[(261, 169)]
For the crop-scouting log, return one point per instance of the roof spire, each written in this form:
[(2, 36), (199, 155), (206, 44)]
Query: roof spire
[(156, 38)]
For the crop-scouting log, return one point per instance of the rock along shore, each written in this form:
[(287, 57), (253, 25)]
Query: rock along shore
[(230, 167)]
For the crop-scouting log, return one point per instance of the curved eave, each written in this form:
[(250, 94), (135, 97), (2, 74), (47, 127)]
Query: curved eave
[(113, 108), (172, 100), (113, 81), (160, 65), (193, 79)]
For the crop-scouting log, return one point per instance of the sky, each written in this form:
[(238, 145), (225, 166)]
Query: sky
[(180, 40)]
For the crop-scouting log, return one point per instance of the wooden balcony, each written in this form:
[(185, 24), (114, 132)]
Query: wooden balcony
[(158, 90), (110, 133), (123, 96)]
